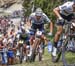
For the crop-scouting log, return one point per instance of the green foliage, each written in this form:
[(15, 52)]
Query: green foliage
[(27, 5), (47, 6)]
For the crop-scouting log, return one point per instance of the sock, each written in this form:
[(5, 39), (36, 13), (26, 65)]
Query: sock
[(55, 44)]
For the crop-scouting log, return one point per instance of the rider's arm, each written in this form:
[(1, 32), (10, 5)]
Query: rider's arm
[(50, 22), (30, 18), (63, 9), (51, 27), (57, 12)]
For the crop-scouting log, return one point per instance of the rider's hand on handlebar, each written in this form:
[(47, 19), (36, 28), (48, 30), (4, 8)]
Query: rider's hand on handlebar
[(50, 34), (60, 19)]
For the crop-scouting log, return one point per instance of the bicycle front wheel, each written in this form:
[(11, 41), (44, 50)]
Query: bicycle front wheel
[(68, 57)]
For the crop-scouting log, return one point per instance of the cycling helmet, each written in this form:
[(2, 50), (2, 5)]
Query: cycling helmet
[(38, 12)]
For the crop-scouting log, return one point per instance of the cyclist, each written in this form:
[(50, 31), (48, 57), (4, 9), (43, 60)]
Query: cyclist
[(24, 38), (62, 12), (37, 21)]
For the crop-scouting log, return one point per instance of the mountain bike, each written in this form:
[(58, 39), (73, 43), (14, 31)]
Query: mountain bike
[(37, 46), (66, 45), (21, 50)]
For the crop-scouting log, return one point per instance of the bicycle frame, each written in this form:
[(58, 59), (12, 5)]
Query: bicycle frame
[(67, 33), (36, 48)]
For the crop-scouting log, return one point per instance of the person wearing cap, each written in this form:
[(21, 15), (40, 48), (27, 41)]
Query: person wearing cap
[(37, 20), (62, 12)]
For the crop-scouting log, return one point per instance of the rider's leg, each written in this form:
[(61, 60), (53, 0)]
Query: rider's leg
[(31, 40), (57, 35), (33, 27), (43, 37), (31, 44), (44, 41), (56, 38)]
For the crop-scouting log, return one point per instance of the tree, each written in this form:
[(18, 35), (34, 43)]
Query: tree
[(27, 5), (47, 6)]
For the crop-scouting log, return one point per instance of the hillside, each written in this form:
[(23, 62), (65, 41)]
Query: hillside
[(4, 2)]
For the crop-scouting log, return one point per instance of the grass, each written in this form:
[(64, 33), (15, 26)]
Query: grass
[(45, 62), (47, 59), (70, 57)]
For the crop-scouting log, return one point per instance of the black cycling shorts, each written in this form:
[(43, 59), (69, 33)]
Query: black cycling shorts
[(68, 18)]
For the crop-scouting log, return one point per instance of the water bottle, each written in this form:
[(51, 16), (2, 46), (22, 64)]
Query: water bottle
[(59, 43), (49, 46)]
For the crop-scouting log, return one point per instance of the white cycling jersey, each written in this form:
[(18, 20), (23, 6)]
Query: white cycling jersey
[(42, 20), (66, 9)]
